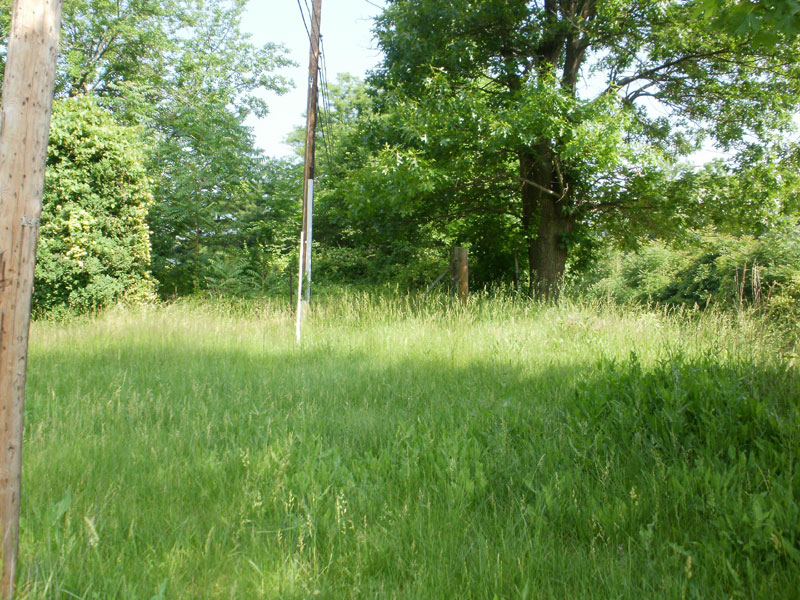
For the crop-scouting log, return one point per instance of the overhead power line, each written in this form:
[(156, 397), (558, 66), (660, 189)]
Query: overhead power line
[(326, 121), (303, 15)]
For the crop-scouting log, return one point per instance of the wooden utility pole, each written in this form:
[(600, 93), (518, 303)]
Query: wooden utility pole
[(459, 274), (306, 237), (24, 129)]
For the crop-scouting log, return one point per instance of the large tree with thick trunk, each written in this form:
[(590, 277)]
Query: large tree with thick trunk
[(568, 115)]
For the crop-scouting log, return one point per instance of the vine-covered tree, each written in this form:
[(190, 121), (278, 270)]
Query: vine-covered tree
[(94, 245), (566, 115)]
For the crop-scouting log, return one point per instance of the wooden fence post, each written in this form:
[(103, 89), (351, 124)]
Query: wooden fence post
[(459, 274), (291, 289), (24, 129)]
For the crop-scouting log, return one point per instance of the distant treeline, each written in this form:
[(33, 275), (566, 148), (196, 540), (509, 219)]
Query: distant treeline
[(475, 131)]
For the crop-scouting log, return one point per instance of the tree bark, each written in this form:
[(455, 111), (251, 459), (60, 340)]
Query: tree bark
[(545, 223), (24, 130), (548, 251)]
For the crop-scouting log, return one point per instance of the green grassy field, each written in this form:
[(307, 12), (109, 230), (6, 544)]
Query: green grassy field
[(502, 450)]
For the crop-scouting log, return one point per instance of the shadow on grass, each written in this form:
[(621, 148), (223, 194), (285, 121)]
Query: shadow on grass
[(420, 477)]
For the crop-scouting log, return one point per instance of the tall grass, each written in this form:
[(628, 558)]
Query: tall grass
[(411, 449)]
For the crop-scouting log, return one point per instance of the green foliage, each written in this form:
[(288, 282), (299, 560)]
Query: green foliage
[(94, 246), (482, 108), (758, 195), (762, 22), (712, 269), (704, 430), (239, 239), (144, 56), (209, 178), (402, 265), (447, 181), (243, 242), (640, 276), (213, 185), (186, 73), (372, 204)]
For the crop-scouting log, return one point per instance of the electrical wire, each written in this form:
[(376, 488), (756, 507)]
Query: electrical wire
[(303, 15), (326, 106), (324, 112), (325, 126)]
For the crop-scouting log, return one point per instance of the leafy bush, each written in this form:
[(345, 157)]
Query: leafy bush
[(710, 268), (638, 276), (94, 246), (399, 263)]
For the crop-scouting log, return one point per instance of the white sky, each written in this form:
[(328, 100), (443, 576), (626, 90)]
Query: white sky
[(347, 41)]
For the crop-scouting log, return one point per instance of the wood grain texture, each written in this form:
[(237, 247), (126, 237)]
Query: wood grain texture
[(24, 127)]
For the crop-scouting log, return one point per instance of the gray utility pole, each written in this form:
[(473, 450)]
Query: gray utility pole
[(24, 131), (306, 237)]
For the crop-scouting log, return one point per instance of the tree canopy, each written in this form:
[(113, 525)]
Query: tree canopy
[(764, 22), (563, 120), (534, 132), (187, 75)]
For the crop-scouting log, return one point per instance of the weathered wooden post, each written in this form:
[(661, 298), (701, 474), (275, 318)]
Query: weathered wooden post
[(24, 129), (291, 289), (459, 274)]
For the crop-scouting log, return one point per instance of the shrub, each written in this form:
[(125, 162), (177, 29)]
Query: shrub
[(94, 246), (711, 268)]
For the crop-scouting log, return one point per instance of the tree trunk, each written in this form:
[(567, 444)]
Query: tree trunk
[(548, 251), (544, 221)]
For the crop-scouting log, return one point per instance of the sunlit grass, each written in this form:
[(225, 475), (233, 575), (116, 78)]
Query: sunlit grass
[(411, 449)]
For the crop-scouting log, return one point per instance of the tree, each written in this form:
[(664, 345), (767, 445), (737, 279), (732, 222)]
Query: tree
[(566, 115), (94, 246), (765, 22), (362, 234), (211, 173), (138, 55), (208, 175), (186, 73), (114, 48)]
